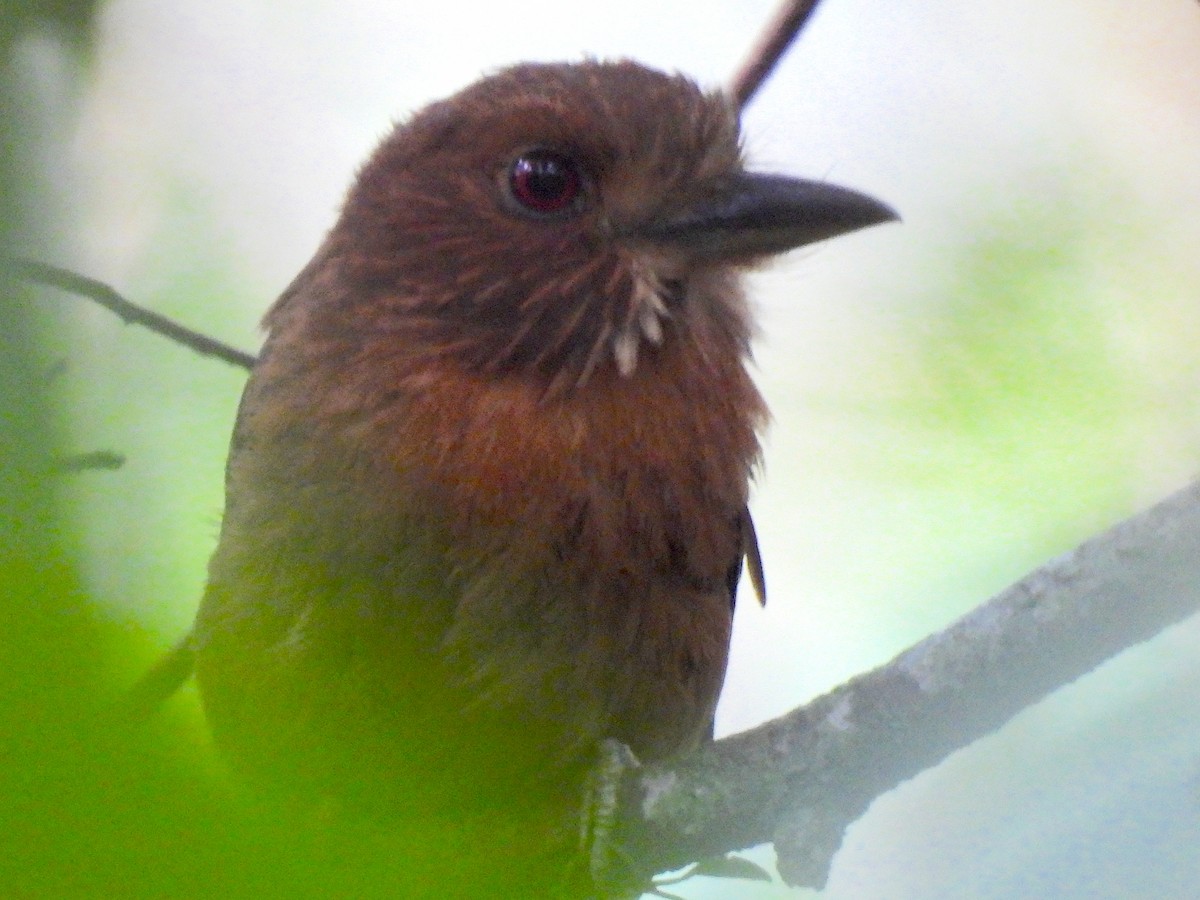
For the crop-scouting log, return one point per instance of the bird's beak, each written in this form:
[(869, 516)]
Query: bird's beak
[(750, 215)]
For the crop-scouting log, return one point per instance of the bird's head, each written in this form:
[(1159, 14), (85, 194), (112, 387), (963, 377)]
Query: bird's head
[(559, 222)]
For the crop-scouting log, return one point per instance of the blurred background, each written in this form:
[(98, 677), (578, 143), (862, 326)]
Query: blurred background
[(956, 399)]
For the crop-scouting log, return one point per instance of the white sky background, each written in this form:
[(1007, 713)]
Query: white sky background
[(260, 112)]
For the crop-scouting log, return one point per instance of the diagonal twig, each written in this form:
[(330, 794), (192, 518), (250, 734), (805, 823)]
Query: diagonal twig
[(772, 44), (129, 312)]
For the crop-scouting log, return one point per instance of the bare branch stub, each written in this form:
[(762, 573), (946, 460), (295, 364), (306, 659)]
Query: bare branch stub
[(129, 312), (772, 44), (94, 460)]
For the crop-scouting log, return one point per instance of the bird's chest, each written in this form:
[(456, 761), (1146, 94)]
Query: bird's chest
[(471, 561), (629, 486), (589, 553)]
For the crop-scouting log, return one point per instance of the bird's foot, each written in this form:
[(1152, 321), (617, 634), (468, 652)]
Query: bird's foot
[(609, 868)]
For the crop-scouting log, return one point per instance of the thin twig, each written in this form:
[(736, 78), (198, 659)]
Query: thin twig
[(91, 461), (160, 682), (771, 45), (130, 313)]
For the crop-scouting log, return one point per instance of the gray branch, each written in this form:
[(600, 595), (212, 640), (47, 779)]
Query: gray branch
[(800, 780)]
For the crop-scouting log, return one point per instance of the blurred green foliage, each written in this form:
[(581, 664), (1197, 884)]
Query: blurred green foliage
[(1014, 375), (89, 807), (1020, 402)]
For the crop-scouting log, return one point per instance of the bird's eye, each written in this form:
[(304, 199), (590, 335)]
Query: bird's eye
[(544, 181)]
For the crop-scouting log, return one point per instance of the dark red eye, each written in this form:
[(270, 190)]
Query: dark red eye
[(544, 181)]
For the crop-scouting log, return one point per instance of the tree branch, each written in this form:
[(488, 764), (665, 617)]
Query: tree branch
[(801, 779), (779, 34), (130, 313)]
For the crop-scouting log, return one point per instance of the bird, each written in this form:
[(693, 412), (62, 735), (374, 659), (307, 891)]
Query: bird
[(487, 491)]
